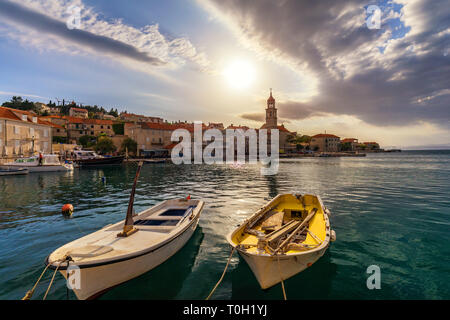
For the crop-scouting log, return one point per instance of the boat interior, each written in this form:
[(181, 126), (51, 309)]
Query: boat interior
[(165, 217), (288, 224)]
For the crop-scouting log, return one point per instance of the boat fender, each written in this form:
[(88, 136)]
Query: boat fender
[(67, 210), (328, 212), (333, 235)]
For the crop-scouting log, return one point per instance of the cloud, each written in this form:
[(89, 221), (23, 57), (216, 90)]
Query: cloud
[(42, 24), (375, 75), (259, 117), (11, 94), (30, 18)]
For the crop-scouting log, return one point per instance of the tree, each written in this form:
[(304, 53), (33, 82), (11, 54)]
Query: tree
[(105, 145), (129, 144), (346, 146), (87, 141), (118, 128)]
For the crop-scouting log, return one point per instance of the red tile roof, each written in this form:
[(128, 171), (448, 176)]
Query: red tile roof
[(370, 142), (349, 140), (324, 135), (6, 113), (9, 113)]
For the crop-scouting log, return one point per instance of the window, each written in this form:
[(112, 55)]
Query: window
[(16, 130), (81, 132), (92, 133), (1, 143), (32, 132), (57, 130), (17, 143), (0, 127), (92, 126), (101, 127), (24, 117), (109, 127), (46, 133), (45, 146), (76, 126)]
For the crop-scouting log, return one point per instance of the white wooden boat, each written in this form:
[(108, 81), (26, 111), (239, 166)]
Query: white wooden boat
[(6, 171), (284, 237), (50, 162), (125, 250)]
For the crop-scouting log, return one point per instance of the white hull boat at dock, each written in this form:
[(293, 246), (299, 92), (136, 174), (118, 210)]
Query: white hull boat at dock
[(107, 260), (284, 237), (50, 163)]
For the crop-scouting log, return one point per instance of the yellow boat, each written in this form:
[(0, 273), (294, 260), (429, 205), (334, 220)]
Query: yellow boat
[(284, 237)]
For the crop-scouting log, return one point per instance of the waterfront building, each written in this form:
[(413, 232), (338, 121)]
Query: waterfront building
[(349, 144), (153, 136), (78, 113), (371, 146), (23, 133), (325, 143), (78, 127)]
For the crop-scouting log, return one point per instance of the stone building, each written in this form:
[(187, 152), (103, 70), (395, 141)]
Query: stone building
[(78, 113), (23, 133), (325, 143), (131, 117)]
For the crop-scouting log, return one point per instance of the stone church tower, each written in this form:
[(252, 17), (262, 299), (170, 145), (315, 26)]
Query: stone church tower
[(271, 113)]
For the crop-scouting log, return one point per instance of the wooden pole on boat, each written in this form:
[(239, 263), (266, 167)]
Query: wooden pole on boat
[(313, 212), (128, 228)]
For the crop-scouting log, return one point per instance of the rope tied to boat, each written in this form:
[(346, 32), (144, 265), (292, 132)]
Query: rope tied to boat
[(223, 274), (30, 292)]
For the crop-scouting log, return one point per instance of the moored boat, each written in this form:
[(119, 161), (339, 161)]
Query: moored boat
[(284, 237), (49, 163), (85, 158), (7, 171), (125, 250)]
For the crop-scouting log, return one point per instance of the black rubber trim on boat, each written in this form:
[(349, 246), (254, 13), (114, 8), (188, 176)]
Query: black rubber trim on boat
[(93, 265)]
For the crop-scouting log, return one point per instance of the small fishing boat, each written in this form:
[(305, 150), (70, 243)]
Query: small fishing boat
[(49, 163), (284, 237), (125, 250), (7, 171)]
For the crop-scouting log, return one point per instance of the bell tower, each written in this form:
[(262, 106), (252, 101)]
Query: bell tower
[(271, 113)]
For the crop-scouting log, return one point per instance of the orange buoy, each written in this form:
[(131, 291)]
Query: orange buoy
[(67, 209), (188, 197), (309, 264)]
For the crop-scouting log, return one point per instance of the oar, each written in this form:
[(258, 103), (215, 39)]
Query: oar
[(313, 212), (128, 228)]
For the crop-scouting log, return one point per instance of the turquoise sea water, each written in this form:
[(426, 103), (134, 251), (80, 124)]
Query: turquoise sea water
[(390, 210)]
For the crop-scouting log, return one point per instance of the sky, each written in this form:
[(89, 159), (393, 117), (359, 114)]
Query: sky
[(331, 67)]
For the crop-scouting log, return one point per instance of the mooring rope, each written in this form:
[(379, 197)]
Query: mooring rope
[(53, 277), (29, 293), (223, 274), (282, 282)]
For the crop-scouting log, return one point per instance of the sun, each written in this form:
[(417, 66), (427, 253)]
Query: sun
[(239, 74)]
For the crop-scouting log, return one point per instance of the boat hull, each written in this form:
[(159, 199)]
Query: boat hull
[(267, 271), (44, 168), (100, 161), (95, 281), (13, 172)]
